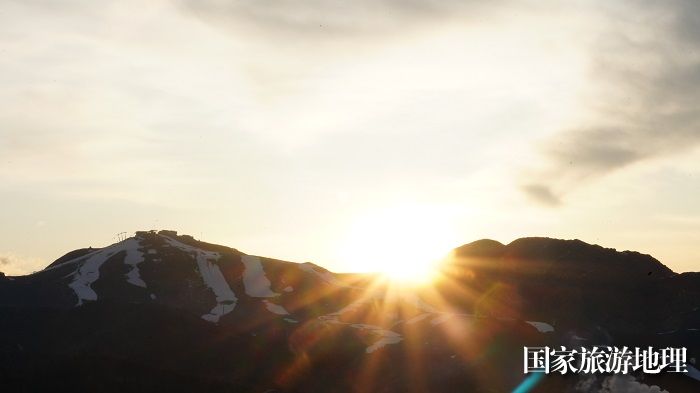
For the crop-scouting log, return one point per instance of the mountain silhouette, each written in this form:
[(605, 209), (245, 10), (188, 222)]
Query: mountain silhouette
[(166, 312)]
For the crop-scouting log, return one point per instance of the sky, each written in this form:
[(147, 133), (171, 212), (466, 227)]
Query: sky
[(341, 132)]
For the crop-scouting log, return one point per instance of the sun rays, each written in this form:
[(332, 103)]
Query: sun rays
[(404, 243), (456, 318), (421, 315)]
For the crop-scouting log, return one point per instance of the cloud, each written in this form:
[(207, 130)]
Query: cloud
[(12, 264), (644, 105), (541, 194), (321, 17)]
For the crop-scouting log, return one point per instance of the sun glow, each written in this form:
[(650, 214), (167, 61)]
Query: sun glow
[(405, 244)]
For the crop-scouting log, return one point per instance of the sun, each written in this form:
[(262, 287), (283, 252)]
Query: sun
[(405, 244)]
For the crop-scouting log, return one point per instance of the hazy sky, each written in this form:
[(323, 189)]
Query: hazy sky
[(291, 128)]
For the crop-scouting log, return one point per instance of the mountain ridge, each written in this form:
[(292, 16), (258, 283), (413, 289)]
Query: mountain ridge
[(202, 311), (484, 244)]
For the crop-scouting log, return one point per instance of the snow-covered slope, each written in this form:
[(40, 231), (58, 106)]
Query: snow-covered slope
[(291, 316)]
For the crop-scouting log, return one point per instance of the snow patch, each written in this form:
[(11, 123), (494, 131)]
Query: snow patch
[(288, 289), (290, 320), (668, 332), (133, 258), (255, 281), (350, 307), (89, 268), (417, 318), (89, 272), (211, 274), (441, 319), (213, 278), (74, 260), (275, 308), (386, 337), (541, 326)]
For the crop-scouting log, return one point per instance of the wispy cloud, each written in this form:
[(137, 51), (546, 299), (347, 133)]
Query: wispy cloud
[(323, 17), (267, 109), (12, 264), (646, 69)]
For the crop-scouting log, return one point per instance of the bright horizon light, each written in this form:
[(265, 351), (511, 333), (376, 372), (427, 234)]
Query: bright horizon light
[(274, 127), (404, 243)]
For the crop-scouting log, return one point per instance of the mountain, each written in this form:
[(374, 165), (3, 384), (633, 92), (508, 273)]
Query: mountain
[(166, 312)]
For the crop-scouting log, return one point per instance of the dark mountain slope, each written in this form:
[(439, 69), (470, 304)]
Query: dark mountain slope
[(160, 312), (571, 282)]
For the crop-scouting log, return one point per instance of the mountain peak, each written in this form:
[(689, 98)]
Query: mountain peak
[(574, 253), (169, 299), (480, 248)]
